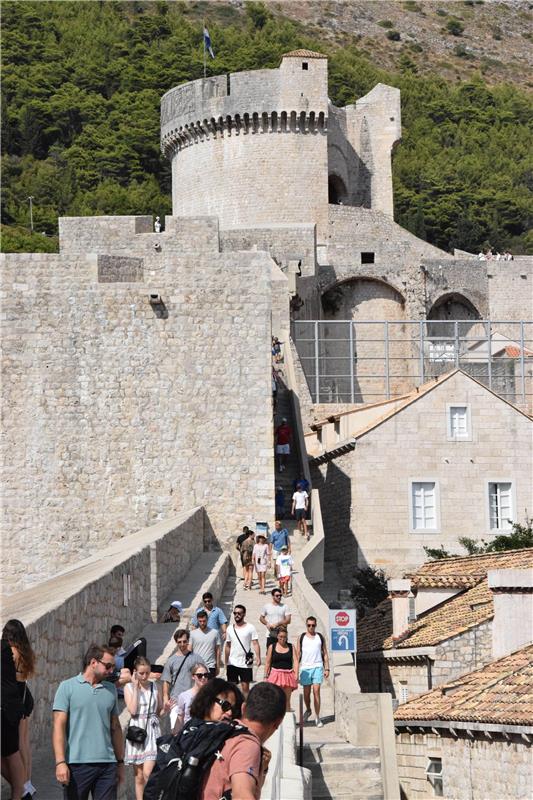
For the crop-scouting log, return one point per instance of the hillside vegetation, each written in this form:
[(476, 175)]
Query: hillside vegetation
[(80, 116)]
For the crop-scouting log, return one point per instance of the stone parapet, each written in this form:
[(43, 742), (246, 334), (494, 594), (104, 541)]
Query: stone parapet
[(126, 582)]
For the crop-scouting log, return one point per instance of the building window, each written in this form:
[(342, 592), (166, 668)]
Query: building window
[(305, 65), (404, 692), (424, 501), (434, 775), (367, 258), (458, 422), (500, 505)]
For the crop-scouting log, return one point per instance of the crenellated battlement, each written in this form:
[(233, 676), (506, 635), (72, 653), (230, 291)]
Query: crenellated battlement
[(256, 122)]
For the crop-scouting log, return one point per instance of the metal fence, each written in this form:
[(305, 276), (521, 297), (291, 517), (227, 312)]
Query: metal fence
[(347, 361)]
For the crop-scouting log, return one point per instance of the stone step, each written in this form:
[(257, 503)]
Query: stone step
[(366, 770), (352, 790), (316, 753)]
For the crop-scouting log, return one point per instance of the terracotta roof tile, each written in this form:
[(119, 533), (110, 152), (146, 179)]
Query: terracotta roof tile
[(450, 618), (303, 54), (500, 693), (464, 571), (469, 607)]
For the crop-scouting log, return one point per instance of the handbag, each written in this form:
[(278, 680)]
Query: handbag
[(136, 734), (248, 655)]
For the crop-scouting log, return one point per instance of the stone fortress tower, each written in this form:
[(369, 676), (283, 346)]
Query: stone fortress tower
[(267, 147), (136, 365)]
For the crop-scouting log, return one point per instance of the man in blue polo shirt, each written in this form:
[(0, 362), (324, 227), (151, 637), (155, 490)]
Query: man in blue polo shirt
[(87, 739), (216, 619), (279, 538)]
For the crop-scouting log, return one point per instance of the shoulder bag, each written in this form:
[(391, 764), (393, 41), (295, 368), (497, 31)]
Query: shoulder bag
[(136, 734), (248, 655)]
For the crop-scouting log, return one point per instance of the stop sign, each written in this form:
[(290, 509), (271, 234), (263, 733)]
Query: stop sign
[(342, 618)]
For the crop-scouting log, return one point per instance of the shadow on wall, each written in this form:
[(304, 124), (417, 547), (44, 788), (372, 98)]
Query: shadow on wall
[(211, 542), (341, 548), (376, 677), (347, 169)]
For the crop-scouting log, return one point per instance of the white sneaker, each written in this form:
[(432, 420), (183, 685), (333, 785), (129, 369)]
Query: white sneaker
[(307, 716), (319, 723)]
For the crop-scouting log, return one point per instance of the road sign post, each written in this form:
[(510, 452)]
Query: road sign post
[(342, 631)]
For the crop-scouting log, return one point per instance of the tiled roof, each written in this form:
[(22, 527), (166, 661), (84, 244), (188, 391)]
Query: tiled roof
[(500, 693), (450, 618), (303, 54), (465, 571), (469, 607)]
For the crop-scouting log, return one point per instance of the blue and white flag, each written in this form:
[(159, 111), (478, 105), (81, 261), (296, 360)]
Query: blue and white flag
[(207, 43)]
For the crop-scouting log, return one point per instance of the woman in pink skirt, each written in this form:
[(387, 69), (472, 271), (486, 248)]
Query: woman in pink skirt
[(281, 665)]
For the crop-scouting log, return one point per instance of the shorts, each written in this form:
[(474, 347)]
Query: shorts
[(10, 736), (98, 779), (311, 676), (284, 580), (239, 674), (300, 513), (283, 449)]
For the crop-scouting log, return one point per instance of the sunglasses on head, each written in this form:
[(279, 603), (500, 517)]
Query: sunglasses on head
[(202, 675), (225, 705)]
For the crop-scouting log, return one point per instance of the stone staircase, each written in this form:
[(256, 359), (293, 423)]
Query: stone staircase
[(340, 770), (286, 478)]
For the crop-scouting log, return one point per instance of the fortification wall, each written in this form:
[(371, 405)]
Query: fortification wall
[(118, 413), (64, 615), (511, 291)]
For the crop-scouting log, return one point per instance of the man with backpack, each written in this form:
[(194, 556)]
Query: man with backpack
[(211, 760), (244, 761), (314, 666)]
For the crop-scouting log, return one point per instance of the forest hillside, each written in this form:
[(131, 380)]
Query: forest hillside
[(80, 110)]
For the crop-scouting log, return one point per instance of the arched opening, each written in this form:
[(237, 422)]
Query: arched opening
[(448, 309), (365, 348), (337, 193)]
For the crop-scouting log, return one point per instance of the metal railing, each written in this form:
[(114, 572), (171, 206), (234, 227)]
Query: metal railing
[(347, 361)]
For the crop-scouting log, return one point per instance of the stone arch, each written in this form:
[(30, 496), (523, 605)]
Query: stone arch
[(449, 308), (337, 192), (363, 360)]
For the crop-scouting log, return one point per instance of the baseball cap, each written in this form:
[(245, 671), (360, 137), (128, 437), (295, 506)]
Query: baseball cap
[(284, 547), (177, 604)]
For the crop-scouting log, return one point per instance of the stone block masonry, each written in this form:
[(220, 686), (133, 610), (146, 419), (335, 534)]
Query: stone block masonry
[(64, 615), (118, 412)]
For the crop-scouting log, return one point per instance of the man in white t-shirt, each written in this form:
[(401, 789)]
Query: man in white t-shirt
[(300, 504), (241, 637), (314, 665), (273, 615)]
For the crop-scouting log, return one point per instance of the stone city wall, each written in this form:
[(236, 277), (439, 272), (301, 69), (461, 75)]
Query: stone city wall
[(121, 584), (119, 413)]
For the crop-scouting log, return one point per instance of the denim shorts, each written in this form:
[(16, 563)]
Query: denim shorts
[(311, 675)]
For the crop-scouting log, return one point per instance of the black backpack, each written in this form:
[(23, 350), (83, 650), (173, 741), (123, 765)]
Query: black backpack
[(173, 777)]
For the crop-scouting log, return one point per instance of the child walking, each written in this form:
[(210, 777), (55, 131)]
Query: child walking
[(284, 566)]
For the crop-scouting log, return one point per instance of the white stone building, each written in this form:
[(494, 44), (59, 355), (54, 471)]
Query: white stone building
[(450, 459)]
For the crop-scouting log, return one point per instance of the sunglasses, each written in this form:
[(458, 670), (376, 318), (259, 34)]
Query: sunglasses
[(311, 625), (276, 595), (237, 613), (225, 705), (202, 675), (106, 664)]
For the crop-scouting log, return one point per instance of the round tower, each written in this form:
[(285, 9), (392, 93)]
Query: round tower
[(251, 147)]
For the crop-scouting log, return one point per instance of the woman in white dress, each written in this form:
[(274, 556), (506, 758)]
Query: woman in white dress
[(145, 703)]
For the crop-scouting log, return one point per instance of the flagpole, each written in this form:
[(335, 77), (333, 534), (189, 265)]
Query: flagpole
[(205, 56)]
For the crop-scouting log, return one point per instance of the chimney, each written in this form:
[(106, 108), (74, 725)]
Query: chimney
[(399, 589), (512, 593)]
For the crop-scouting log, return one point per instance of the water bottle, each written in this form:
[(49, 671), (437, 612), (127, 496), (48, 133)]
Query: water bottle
[(190, 778)]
